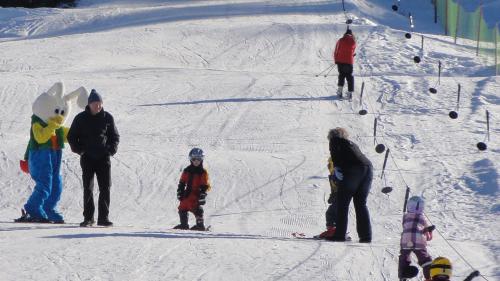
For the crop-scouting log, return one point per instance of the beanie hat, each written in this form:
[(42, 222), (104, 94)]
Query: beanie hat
[(94, 96)]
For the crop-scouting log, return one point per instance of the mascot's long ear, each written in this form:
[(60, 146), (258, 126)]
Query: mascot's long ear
[(81, 94), (56, 90)]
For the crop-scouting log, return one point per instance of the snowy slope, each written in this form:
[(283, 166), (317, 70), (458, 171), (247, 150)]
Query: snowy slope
[(237, 78)]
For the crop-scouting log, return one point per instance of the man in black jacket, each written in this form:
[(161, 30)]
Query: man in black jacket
[(353, 176), (93, 136)]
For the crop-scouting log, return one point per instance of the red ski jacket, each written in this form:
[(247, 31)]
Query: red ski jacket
[(344, 50), (193, 179)]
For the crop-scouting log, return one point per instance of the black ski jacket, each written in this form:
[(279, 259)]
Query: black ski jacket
[(346, 154), (95, 136)]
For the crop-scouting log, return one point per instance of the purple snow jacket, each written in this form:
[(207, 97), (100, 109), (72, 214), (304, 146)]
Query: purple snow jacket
[(414, 226)]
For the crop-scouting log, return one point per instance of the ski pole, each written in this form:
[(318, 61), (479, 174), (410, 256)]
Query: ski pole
[(329, 70), (326, 69)]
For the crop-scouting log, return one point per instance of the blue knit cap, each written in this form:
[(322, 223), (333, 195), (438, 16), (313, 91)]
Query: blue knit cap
[(94, 96)]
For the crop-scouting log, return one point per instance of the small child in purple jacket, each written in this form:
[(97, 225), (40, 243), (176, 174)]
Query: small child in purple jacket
[(416, 233)]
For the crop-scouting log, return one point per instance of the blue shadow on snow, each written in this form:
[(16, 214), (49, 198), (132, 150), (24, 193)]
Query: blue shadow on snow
[(240, 100), (484, 178)]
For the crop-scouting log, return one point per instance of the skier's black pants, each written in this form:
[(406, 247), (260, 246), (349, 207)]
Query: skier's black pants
[(355, 186), (102, 169), (345, 73)]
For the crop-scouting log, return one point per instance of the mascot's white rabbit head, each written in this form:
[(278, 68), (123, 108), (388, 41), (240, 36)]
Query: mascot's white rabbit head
[(52, 103)]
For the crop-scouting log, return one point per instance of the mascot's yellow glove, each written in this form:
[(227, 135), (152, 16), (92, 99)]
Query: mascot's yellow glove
[(43, 134), (55, 122)]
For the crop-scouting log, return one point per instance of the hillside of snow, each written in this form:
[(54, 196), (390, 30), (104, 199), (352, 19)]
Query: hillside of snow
[(238, 79)]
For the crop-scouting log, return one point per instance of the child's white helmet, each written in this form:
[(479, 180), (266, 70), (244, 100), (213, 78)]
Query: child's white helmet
[(415, 205)]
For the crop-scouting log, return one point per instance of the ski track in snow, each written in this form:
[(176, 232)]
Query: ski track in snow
[(237, 78)]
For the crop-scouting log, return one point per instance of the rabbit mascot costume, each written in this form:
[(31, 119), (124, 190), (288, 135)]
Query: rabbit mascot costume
[(42, 159)]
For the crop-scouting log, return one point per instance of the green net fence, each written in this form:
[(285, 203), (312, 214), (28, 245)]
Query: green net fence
[(470, 27)]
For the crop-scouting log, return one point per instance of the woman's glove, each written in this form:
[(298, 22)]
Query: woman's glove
[(337, 173)]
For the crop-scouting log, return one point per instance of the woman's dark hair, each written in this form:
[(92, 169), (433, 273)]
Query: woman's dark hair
[(338, 133)]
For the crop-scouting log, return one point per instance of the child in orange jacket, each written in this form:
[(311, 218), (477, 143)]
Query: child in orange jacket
[(192, 191)]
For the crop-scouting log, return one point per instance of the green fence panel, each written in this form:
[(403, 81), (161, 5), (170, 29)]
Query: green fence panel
[(471, 26)]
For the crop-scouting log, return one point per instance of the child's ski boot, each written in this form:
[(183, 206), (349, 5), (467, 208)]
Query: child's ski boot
[(328, 233), (182, 226), (199, 227)]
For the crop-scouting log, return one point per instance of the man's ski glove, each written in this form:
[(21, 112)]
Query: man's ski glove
[(203, 195), (180, 191)]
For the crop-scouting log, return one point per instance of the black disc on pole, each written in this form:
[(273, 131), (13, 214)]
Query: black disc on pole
[(349, 21), (481, 146), (416, 59), (395, 8), (433, 90), (363, 112), (408, 35), (386, 189), (380, 148), (453, 114)]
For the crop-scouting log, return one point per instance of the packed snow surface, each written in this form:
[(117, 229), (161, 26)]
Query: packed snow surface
[(238, 79)]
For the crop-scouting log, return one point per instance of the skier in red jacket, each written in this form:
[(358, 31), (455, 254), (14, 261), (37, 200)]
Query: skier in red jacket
[(344, 59)]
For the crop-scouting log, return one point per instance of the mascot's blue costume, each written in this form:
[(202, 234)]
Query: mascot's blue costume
[(42, 159)]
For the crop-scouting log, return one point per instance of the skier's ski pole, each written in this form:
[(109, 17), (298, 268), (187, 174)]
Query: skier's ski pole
[(329, 71), (326, 69)]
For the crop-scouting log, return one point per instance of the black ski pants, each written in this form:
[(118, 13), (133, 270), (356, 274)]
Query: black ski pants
[(345, 73), (102, 169), (355, 185)]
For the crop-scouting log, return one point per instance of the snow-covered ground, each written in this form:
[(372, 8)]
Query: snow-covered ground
[(237, 78)]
